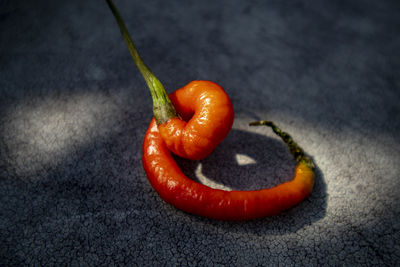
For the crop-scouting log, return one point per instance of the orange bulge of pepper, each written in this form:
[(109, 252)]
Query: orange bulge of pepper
[(191, 122), (207, 117)]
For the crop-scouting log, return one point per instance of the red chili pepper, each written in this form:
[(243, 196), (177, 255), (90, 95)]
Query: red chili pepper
[(205, 118)]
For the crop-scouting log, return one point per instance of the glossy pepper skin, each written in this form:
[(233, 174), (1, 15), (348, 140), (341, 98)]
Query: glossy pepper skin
[(175, 188), (207, 117)]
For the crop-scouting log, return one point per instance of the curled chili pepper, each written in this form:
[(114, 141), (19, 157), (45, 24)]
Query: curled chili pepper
[(191, 122)]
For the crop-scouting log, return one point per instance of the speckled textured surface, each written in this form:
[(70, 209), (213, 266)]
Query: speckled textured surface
[(74, 110)]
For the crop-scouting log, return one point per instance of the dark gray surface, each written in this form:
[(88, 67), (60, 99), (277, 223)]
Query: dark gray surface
[(74, 111)]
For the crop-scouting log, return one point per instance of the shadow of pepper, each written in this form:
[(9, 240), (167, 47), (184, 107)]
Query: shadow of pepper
[(267, 163)]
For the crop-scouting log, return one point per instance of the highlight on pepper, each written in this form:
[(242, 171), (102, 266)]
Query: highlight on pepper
[(191, 122)]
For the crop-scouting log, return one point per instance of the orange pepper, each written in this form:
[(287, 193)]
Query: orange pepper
[(191, 122)]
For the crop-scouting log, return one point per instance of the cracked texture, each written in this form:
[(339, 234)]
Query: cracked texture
[(74, 110)]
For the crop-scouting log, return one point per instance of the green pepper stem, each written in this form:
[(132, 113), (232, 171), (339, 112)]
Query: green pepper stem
[(294, 149), (162, 106)]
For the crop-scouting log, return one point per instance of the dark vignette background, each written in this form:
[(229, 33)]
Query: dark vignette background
[(74, 110)]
